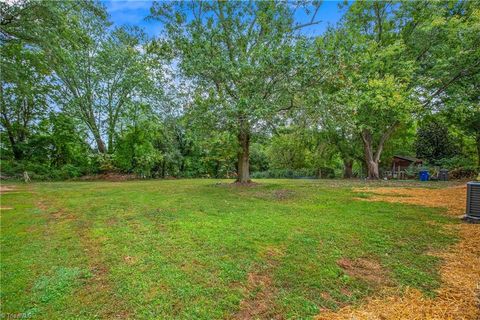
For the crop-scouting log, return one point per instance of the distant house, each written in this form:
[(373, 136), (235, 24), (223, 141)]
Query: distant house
[(400, 163)]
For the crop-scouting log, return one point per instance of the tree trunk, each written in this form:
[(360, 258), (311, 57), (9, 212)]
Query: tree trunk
[(371, 162), (348, 168), (370, 159), (243, 165), (17, 152), (97, 136), (100, 144), (372, 168), (110, 143)]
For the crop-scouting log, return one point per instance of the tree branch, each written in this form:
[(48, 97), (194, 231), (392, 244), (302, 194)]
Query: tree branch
[(459, 75)]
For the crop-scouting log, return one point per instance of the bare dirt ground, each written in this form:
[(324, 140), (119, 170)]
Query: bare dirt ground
[(4, 189), (458, 296), (367, 269)]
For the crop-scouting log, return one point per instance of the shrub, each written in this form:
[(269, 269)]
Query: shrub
[(456, 163), (464, 173), (294, 174), (69, 171)]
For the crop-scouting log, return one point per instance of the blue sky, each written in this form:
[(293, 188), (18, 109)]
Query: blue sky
[(133, 12)]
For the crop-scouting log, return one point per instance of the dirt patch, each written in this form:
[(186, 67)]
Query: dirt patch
[(283, 194), (5, 189), (42, 206), (277, 195), (55, 214), (366, 269), (62, 214), (130, 260), (5, 208), (326, 296), (260, 290), (112, 221), (346, 292), (458, 296)]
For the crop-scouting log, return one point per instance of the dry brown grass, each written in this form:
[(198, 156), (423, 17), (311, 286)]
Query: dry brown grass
[(4, 189), (261, 291), (367, 269), (457, 298), (452, 198)]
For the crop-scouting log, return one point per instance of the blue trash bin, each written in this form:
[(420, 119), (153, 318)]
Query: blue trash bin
[(424, 175)]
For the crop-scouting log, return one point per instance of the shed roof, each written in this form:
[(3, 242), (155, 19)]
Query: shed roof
[(408, 158)]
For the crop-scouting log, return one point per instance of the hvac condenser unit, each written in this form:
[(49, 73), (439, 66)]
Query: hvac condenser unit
[(473, 202)]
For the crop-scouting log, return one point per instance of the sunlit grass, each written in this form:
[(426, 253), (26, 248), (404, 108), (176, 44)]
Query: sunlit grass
[(185, 248)]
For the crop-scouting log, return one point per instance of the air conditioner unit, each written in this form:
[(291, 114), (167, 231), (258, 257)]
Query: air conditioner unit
[(473, 202)]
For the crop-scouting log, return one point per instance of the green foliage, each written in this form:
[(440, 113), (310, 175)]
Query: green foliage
[(235, 85), (455, 162), (259, 160), (136, 150), (308, 173), (287, 151), (434, 143), (246, 64)]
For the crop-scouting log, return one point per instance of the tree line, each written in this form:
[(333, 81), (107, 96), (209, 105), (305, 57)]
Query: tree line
[(234, 87)]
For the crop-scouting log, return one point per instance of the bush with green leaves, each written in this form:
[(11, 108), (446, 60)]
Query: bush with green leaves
[(323, 172)]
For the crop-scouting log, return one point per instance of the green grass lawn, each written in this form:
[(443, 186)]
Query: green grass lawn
[(192, 249)]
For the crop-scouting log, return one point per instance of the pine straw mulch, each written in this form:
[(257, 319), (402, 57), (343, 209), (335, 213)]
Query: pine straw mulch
[(458, 296)]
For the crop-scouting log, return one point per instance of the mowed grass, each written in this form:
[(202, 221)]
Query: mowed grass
[(188, 249)]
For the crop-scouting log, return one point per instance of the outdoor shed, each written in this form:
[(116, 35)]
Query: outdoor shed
[(400, 163)]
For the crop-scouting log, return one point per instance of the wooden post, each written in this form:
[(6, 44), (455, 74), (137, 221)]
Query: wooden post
[(26, 178)]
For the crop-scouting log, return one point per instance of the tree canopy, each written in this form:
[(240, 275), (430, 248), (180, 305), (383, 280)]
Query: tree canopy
[(238, 89)]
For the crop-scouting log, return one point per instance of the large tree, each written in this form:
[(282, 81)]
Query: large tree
[(246, 60), (23, 94), (372, 95), (38, 22), (461, 106), (101, 78), (444, 39), (27, 28)]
